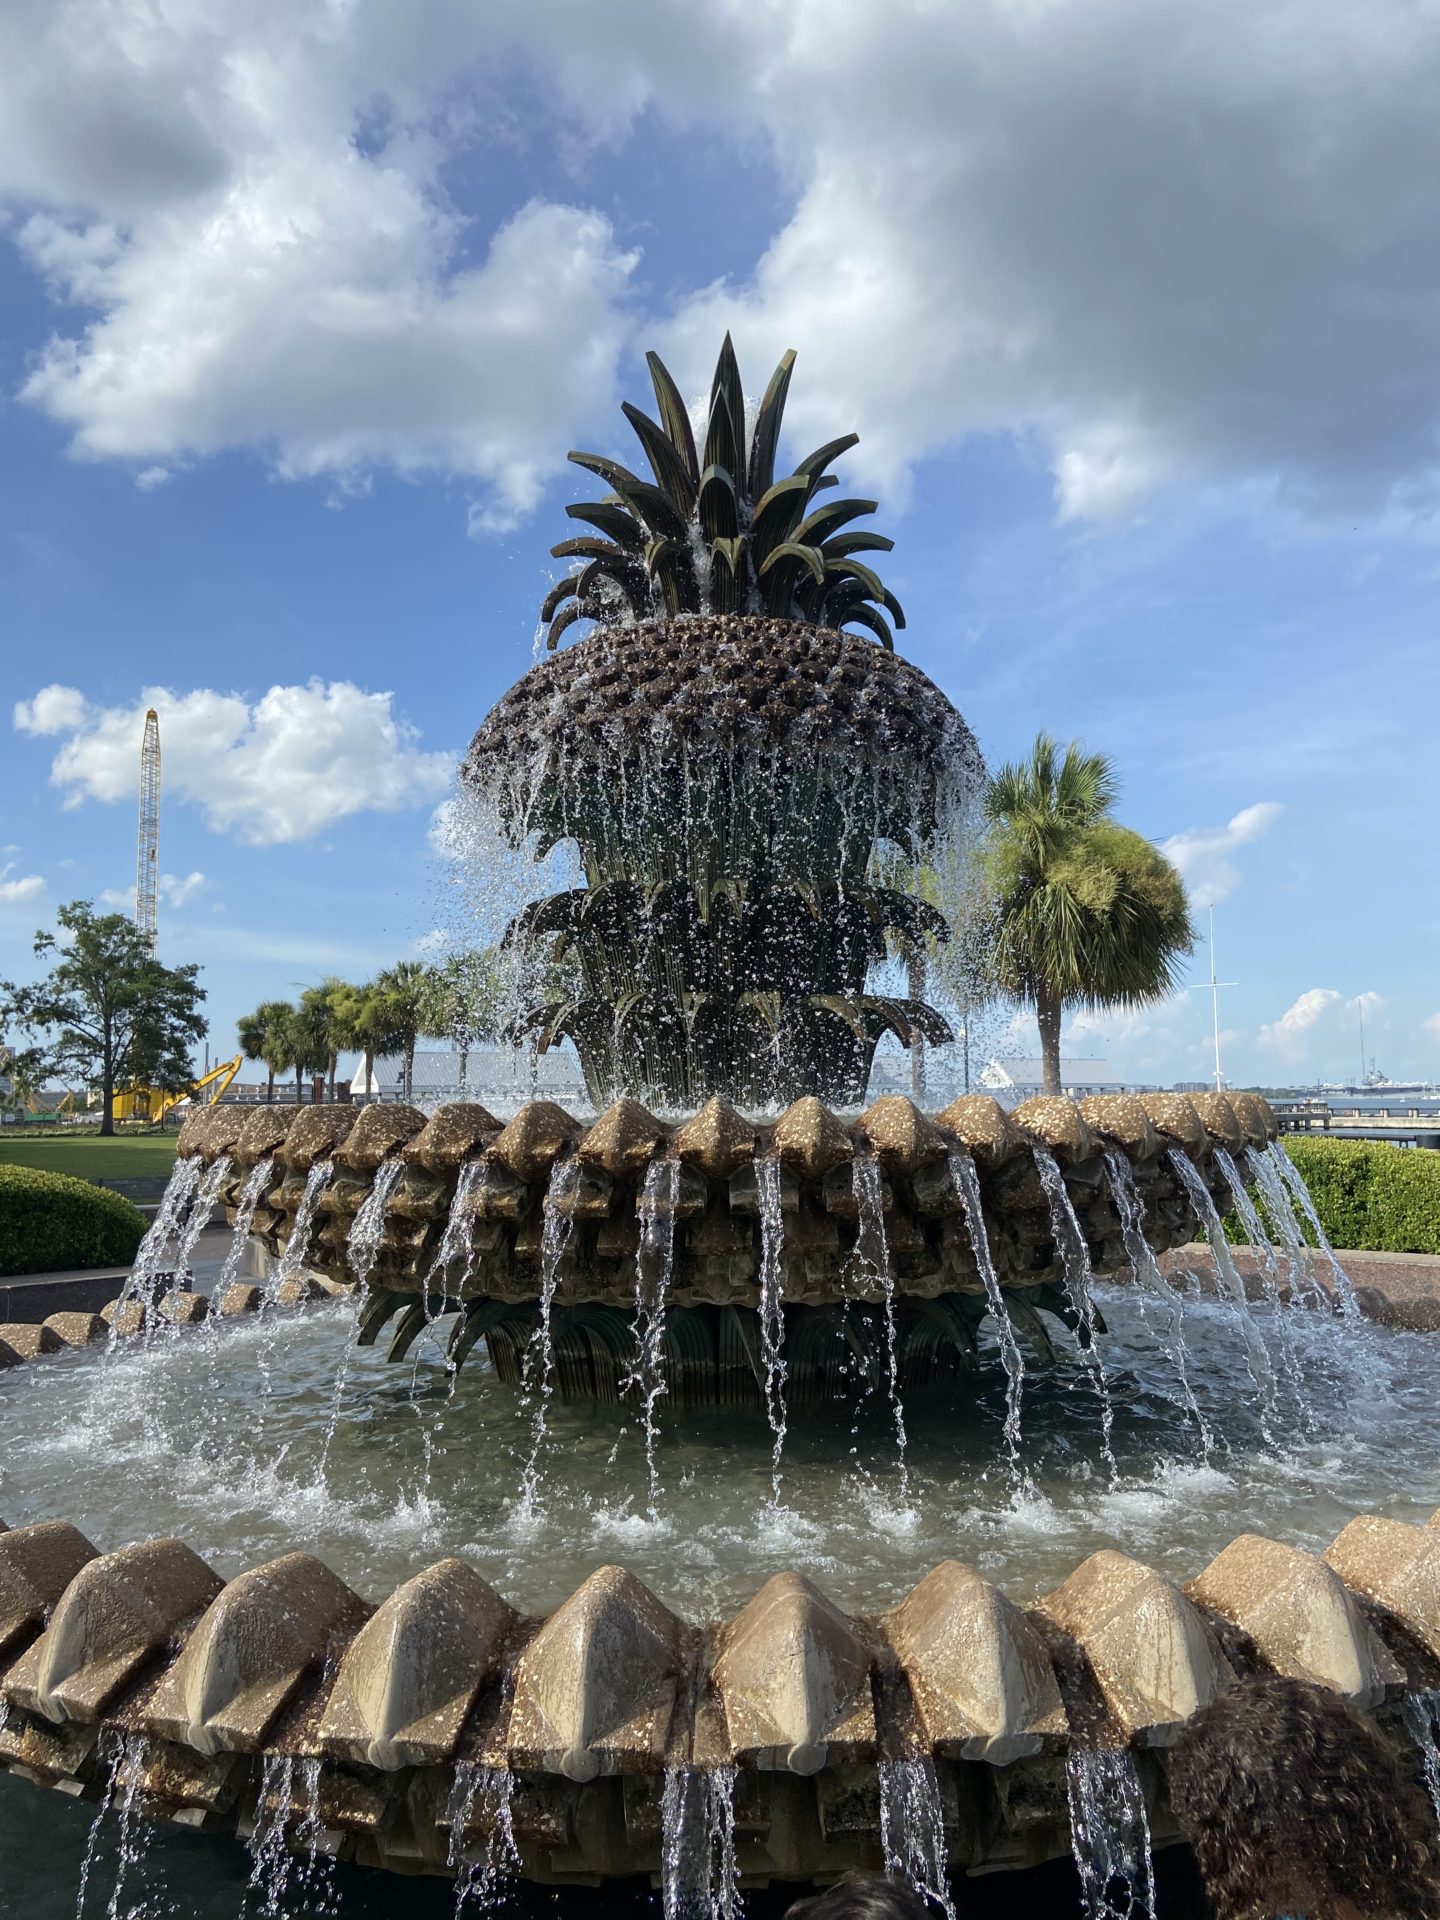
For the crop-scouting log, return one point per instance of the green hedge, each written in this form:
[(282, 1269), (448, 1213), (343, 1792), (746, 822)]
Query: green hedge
[(1372, 1196), (50, 1221)]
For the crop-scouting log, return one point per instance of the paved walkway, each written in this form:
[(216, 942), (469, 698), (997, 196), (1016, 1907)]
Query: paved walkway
[(35, 1296)]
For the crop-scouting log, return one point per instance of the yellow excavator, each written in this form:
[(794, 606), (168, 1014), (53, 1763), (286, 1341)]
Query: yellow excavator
[(149, 1103)]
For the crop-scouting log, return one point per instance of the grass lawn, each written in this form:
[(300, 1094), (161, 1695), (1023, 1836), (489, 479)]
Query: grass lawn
[(129, 1156)]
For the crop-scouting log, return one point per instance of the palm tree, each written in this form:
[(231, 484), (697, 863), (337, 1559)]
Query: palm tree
[(327, 1010), (266, 1034), (1086, 912), (309, 1043), (406, 989), (464, 995)]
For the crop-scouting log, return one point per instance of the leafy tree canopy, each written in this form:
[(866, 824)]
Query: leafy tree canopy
[(108, 1012)]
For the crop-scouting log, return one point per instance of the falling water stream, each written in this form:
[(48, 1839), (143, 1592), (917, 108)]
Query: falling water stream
[(256, 1182), (1149, 1273), (1074, 1255), (912, 1828), (556, 1228), (872, 1252), (1110, 1835), (207, 1192), (654, 1270), (144, 1282), (967, 1185), (292, 1260), (362, 1250), (1290, 1174), (699, 1878), (772, 1307), (1263, 1248), (457, 1242), (1421, 1713), (1303, 1284), (1257, 1354), (488, 1792)]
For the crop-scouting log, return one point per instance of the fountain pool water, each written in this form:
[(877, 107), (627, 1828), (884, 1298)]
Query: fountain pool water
[(169, 1439)]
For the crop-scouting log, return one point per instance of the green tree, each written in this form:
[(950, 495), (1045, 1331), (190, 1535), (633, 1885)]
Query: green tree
[(266, 1034), (309, 1042), (1087, 913), (328, 1008), (465, 995), (369, 1020), (110, 1011), (409, 999)]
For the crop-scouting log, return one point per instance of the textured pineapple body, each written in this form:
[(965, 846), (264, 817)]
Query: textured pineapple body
[(720, 747), (726, 779)]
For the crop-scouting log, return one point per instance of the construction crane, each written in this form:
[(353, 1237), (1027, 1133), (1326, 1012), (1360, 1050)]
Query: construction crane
[(147, 851)]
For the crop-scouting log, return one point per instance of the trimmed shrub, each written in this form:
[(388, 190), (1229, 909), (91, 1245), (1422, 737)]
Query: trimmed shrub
[(1370, 1195), (50, 1221)]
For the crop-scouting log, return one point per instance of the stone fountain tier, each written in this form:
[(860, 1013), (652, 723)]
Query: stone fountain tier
[(388, 1714), (600, 1177)]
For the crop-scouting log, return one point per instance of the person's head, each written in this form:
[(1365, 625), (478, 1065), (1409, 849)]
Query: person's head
[(1293, 1803), (863, 1897)]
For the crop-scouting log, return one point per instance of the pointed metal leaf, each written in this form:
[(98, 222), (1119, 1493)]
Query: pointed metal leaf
[(673, 414), (668, 466), (767, 427)]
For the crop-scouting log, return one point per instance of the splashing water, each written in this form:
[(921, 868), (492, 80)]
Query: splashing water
[(1257, 1354), (699, 1878), (457, 1243), (1421, 1714), (256, 1181), (367, 1229), (1290, 1174), (967, 1185), (1148, 1272), (555, 1234), (292, 1260), (1254, 1230), (912, 1828), (1074, 1255), (1110, 1835), (480, 1879), (1303, 1284), (207, 1192), (772, 1308), (872, 1250), (145, 1276), (654, 1270), (362, 1250)]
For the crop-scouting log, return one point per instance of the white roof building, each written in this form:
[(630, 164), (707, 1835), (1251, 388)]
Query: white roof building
[(498, 1077), (1014, 1080)]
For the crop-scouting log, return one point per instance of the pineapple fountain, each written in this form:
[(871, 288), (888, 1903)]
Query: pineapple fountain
[(742, 778)]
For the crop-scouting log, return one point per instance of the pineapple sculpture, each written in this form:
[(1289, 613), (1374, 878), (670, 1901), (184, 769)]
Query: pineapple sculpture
[(731, 763)]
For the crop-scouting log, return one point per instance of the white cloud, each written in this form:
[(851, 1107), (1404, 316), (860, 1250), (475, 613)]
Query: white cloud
[(1289, 1036), (23, 888), (53, 710), (1158, 244), (1432, 1026), (282, 768), (176, 892), (1203, 854), (1369, 1003), (149, 478)]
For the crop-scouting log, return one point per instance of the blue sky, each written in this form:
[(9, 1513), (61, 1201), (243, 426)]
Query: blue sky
[(302, 304)]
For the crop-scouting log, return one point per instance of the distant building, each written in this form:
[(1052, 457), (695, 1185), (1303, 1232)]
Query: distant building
[(1013, 1080), (497, 1077)]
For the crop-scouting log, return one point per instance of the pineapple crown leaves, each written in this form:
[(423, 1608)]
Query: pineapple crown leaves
[(714, 531)]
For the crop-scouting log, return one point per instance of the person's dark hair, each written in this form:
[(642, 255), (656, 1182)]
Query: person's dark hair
[(863, 1897), (1291, 1800)]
